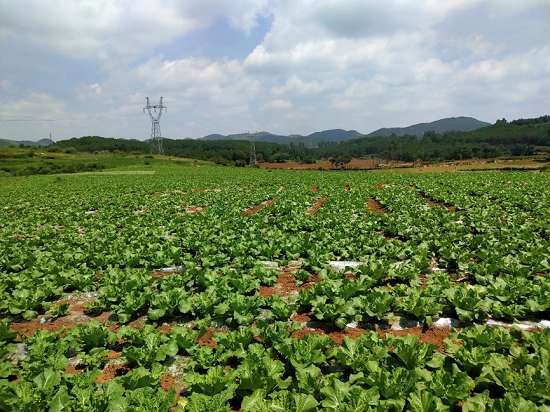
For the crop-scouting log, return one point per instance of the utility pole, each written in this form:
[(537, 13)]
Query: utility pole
[(156, 137), (253, 149)]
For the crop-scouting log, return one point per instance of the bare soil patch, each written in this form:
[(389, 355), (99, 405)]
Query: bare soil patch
[(354, 163), (206, 339), (317, 205), (374, 206), (30, 328), (303, 317), (432, 203), (111, 371), (192, 209), (337, 335), (255, 209), (433, 335), (285, 285), (72, 370)]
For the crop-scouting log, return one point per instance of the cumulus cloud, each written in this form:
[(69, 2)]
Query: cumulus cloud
[(313, 65), (84, 91), (276, 105), (294, 86), (104, 28), (34, 105)]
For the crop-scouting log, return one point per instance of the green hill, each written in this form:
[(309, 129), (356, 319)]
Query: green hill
[(311, 140), (500, 139), (461, 124)]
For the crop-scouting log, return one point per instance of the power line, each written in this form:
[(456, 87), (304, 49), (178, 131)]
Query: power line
[(64, 119)]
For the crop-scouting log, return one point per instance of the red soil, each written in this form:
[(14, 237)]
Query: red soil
[(285, 285), (375, 207), (255, 209), (317, 205), (112, 371), (354, 163)]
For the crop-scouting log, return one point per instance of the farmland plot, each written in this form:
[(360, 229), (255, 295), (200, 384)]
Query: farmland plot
[(226, 289)]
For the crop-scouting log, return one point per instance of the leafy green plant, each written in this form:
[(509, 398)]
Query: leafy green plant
[(146, 345)]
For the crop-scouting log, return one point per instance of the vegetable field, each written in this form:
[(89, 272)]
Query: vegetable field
[(218, 289)]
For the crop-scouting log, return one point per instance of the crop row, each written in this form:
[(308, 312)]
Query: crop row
[(264, 368), (467, 246)]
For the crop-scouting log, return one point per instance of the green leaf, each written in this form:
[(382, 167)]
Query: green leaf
[(334, 394), (199, 402), (513, 403), (61, 400), (47, 380), (7, 334), (423, 401), (255, 402), (155, 314), (305, 402), (30, 314), (480, 402)]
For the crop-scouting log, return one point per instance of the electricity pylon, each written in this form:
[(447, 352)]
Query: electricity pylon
[(253, 150), (156, 137)]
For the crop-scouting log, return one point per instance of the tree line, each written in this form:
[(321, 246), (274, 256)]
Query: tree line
[(522, 137)]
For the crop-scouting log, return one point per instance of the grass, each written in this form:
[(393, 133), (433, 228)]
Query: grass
[(16, 161)]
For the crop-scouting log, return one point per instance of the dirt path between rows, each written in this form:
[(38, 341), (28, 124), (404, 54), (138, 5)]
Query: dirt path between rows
[(317, 205), (255, 209), (432, 203), (375, 207)]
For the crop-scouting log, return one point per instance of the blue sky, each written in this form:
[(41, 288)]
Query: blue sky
[(84, 67)]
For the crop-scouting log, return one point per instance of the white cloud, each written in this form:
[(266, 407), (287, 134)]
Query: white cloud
[(294, 86), (84, 91), (276, 105), (34, 105), (105, 28), (482, 48), (297, 116), (321, 64)]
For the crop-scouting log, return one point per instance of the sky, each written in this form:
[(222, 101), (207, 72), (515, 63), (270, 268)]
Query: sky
[(85, 67)]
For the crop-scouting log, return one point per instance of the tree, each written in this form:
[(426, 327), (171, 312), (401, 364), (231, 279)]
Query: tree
[(279, 157), (433, 136), (394, 150), (343, 160)]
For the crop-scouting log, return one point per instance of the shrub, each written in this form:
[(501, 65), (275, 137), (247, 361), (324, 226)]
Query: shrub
[(53, 149)]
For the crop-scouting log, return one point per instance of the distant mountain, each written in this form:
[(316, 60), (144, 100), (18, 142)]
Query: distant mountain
[(459, 124), (335, 135), (462, 124), (45, 142), (42, 142), (259, 137), (214, 137)]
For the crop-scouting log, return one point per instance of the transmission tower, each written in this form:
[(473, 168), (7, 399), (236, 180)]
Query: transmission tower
[(156, 137), (253, 149)]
